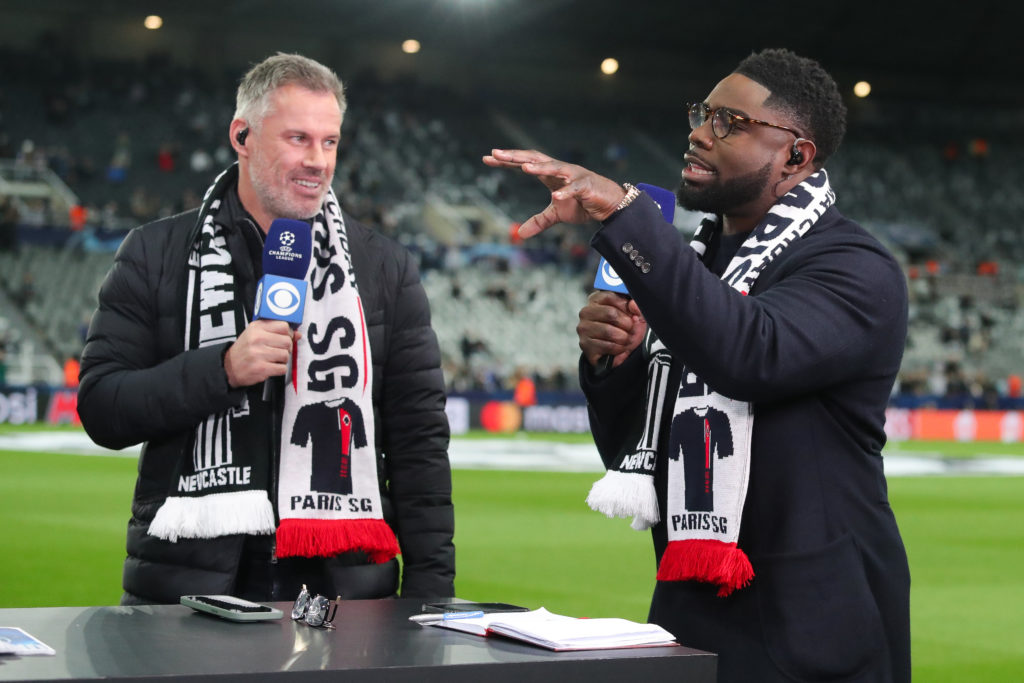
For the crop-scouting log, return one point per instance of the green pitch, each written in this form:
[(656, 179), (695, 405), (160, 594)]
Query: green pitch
[(528, 538)]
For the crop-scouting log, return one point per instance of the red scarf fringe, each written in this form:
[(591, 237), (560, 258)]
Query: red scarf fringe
[(709, 561), (329, 537)]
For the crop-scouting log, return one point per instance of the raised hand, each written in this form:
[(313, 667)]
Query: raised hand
[(578, 195)]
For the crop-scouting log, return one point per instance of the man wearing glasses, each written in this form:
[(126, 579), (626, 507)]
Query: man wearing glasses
[(755, 363)]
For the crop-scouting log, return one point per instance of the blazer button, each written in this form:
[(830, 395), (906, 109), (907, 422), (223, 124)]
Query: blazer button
[(634, 255), (646, 267), (627, 247)]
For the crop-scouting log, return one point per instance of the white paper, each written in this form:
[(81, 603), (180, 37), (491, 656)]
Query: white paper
[(558, 632)]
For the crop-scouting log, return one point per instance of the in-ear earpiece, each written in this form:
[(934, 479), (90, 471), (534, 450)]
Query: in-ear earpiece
[(242, 135), (795, 155)]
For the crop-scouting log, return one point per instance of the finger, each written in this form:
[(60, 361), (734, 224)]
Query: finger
[(607, 315), (278, 327), (604, 297), (538, 223), (274, 370), (259, 331), (520, 156), (269, 342), (592, 355), (531, 228), (619, 329), (497, 163), (598, 199), (606, 324), (247, 364), (275, 355), (551, 182), (269, 325), (554, 174), (276, 333), (596, 348), (609, 341), (638, 333), (552, 169)]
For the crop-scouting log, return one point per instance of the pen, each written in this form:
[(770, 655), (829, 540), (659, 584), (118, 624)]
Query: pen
[(434, 617)]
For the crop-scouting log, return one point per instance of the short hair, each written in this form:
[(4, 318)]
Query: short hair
[(802, 89), (252, 101)]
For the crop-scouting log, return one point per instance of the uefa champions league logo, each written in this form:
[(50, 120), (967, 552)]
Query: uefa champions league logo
[(287, 240)]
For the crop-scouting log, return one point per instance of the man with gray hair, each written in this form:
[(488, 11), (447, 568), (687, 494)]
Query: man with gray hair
[(343, 465)]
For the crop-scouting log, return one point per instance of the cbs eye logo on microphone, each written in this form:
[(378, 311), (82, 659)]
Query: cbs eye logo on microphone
[(281, 298)]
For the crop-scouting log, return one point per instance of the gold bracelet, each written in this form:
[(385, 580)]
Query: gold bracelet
[(631, 193)]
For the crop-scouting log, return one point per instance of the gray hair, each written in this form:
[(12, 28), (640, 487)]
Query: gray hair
[(252, 102)]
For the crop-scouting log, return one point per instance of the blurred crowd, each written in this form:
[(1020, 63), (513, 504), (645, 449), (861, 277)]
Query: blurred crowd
[(133, 141)]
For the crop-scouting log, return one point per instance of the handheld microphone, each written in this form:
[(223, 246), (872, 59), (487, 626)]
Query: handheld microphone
[(665, 199), (607, 279), (281, 293), (287, 251)]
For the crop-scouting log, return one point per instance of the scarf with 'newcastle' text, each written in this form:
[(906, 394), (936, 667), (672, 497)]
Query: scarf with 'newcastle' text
[(328, 494), (710, 434)]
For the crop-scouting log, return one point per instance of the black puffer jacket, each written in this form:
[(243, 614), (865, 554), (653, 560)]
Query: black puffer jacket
[(138, 384)]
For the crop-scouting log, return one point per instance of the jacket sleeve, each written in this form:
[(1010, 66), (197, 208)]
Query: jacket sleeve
[(614, 403), (129, 393), (835, 310), (415, 442)]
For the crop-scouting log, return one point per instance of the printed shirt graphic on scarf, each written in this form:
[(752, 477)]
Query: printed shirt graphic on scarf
[(709, 434), (328, 493)]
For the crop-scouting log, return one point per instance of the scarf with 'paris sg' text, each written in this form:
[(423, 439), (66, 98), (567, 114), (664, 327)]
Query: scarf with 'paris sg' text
[(709, 434)]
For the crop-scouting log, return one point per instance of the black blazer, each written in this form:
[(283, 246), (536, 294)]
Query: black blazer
[(816, 348)]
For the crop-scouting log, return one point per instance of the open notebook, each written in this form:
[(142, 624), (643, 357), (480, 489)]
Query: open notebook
[(557, 632)]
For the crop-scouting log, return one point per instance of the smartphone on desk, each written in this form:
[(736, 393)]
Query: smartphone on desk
[(484, 607), (231, 608)]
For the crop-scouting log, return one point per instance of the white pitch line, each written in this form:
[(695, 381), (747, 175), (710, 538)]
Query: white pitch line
[(534, 455)]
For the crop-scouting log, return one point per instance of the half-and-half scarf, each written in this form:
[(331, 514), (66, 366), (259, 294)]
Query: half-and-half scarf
[(710, 434), (328, 494)]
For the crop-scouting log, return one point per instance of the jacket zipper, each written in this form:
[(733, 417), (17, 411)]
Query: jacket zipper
[(275, 440), (275, 460)]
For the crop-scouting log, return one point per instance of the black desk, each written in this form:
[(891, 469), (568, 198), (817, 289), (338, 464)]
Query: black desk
[(374, 643)]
